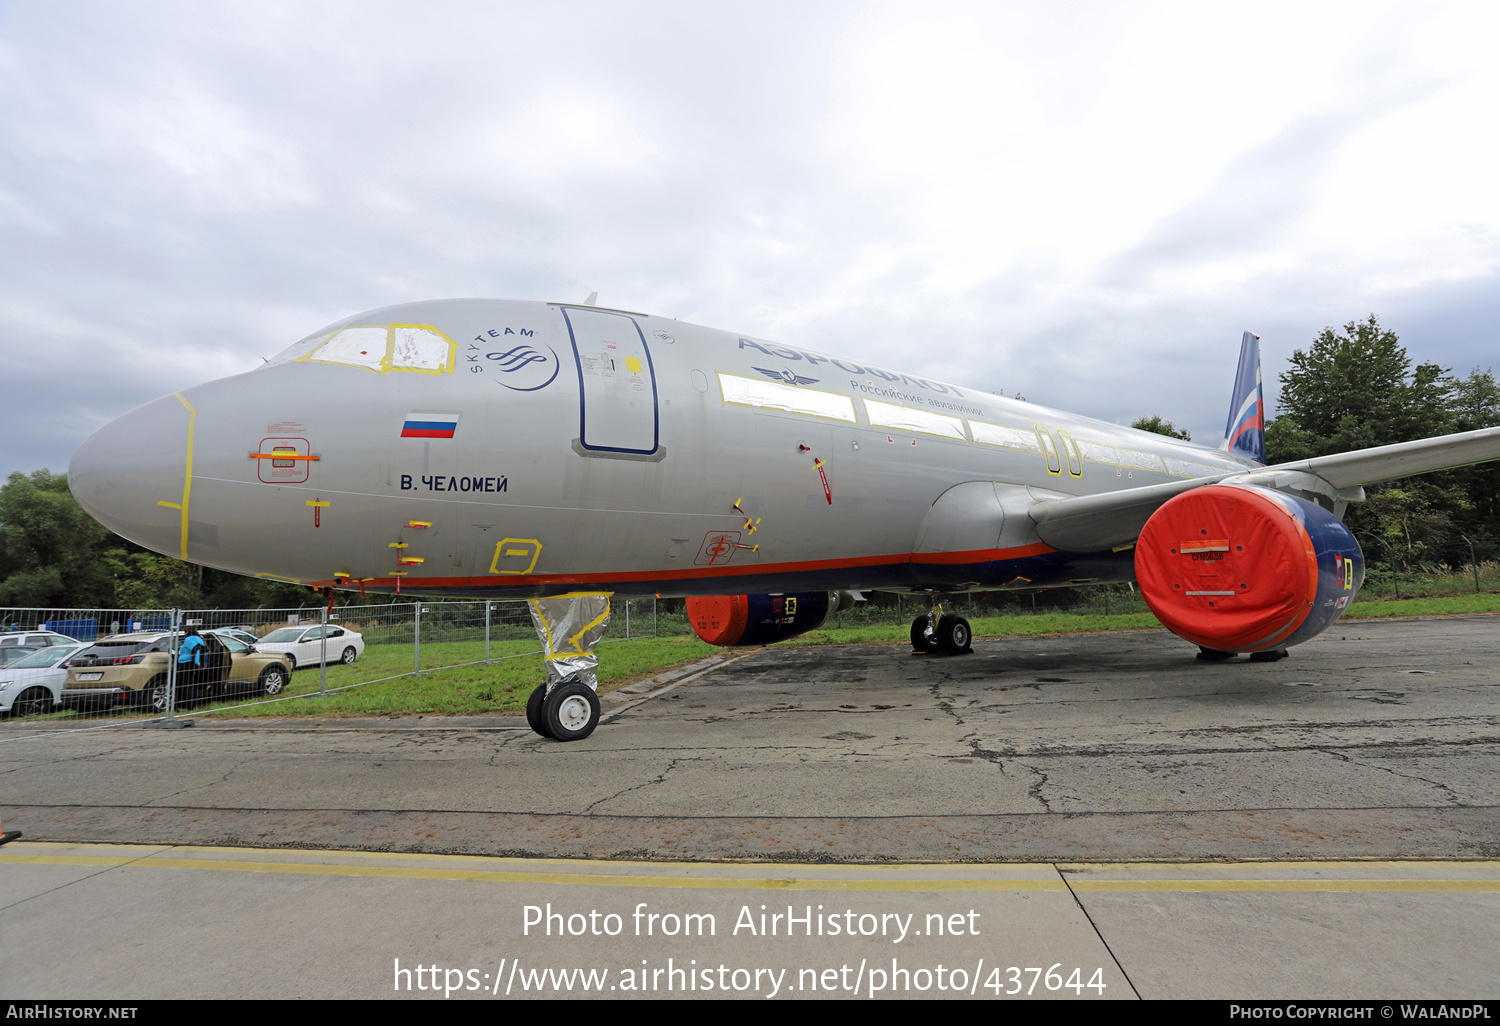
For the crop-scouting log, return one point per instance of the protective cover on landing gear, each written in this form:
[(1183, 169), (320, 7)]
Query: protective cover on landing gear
[(569, 627), (1238, 568)]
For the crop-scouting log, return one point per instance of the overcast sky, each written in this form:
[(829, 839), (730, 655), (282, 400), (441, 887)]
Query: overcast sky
[(1083, 203)]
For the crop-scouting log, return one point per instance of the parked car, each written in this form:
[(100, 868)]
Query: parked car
[(34, 684), (240, 634), (35, 639), (131, 669), (14, 653), (303, 646)]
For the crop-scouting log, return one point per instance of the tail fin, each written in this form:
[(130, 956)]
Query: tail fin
[(1245, 433)]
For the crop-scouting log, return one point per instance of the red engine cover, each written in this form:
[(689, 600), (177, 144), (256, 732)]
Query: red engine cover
[(1227, 568), (719, 619)]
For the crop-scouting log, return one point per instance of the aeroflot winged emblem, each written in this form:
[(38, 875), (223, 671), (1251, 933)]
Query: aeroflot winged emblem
[(526, 367), (786, 376), (429, 425)]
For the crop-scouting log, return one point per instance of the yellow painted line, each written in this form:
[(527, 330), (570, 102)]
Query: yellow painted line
[(1295, 886), (1303, 867), (356, 853), (498, 876), (187, 479), (169, 505)]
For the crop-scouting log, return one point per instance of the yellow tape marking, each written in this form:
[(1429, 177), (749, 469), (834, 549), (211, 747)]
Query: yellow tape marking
[(187, 478), (447, 368), (536, 554)]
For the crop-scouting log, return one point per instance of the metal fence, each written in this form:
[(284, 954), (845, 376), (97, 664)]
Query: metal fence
[(376, 643)]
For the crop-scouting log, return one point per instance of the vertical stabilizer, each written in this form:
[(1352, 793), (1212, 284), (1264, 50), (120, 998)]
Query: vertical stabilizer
[(1245, 433)]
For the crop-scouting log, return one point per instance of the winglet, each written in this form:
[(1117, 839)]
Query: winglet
[(1245, 434)]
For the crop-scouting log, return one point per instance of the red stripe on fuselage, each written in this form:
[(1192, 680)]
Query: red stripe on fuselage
[(974, 556)]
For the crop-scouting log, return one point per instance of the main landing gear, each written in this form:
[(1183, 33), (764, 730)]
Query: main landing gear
[(1213, 655), (940, 633)]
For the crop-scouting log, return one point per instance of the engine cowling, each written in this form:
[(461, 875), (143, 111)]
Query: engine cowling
[(735, 620), (1240, 568)]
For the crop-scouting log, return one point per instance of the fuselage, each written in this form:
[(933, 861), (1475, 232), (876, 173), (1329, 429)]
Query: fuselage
[(515, 449)]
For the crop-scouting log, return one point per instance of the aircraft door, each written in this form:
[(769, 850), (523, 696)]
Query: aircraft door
[(617, 383)]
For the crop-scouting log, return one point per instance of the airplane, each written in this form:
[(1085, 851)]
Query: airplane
[(566, 452)]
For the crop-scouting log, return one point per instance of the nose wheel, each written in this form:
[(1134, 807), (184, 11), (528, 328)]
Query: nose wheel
[(569, 713)]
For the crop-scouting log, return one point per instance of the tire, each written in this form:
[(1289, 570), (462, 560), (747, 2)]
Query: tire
[(273, 680), (155, 693), (32, 702), (349, 656), (534, 717), (571, 711), (1270, 655), (954, 635), (1213, 655), (920, 642)]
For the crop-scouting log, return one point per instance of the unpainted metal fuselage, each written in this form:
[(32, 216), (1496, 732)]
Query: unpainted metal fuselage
[(515, 449)]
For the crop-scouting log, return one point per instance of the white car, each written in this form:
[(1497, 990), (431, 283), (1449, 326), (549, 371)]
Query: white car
[(36, 639), (34, 684), (303, 646)]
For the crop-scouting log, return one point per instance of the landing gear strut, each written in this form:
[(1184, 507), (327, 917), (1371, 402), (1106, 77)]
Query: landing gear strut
[(940, 633), (566, 706)]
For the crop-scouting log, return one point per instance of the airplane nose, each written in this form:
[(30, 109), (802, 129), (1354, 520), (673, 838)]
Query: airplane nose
[(134, 475)]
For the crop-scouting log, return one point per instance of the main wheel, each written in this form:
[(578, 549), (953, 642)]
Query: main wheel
[(534, 718), (571, 711), (32, 702), (273, 680), (1270, 655), (349, 656), (920, 641), (954, 634), (1213, 655)]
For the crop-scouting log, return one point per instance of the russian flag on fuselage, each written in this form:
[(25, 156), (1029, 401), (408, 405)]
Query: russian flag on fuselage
[(429, 425), (1246, 431)]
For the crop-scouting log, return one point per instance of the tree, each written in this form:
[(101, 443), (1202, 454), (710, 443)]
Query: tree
[(48, 545), (1356, 389), (1161, 427)]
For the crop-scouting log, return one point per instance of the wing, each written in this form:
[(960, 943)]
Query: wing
[(1094, 523)]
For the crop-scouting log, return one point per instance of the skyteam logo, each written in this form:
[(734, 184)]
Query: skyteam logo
[(526, 367)]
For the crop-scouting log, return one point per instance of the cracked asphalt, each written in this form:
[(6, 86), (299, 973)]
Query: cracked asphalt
[(1323, 827), (1376, 740)]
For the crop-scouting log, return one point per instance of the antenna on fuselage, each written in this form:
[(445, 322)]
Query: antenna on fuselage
[(590, 301)]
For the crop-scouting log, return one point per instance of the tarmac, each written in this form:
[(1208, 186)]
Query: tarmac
[(1325, 826)]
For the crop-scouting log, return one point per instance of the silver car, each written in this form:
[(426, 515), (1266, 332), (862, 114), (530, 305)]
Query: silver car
[(34, 684)]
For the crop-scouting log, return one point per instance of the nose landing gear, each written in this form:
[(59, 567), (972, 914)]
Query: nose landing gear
[(566, 707)]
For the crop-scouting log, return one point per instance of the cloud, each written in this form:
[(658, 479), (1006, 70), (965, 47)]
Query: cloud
[(1084, 203)]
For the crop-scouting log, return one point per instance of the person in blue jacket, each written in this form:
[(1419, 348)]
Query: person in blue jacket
[(190, 661)]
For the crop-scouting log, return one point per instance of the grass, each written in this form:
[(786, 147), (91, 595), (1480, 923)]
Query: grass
[(459, 690)]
